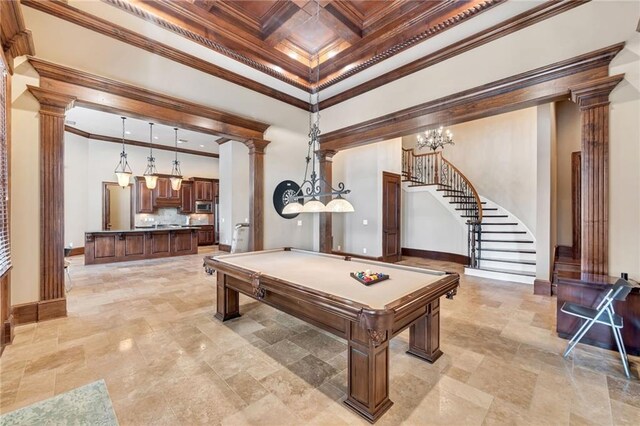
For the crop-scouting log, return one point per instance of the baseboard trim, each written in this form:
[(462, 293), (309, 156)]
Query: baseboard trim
[(31, 312), (6, 333), (77, 251), (224, 247), (436, 255), (542, 287), (357, 256)]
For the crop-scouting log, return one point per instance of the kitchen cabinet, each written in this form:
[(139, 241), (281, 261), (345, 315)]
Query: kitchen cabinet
[(164, 195), (206, 235), (204, 190), (144, 196), (187, 197)]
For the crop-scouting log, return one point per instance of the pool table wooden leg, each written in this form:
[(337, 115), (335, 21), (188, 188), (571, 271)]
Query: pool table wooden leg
[(424, 336), (228, 300), (368, 374)]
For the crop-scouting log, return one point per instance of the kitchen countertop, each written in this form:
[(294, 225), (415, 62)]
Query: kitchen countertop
[(150, 229)]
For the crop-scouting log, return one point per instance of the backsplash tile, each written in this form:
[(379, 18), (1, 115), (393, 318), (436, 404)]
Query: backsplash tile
[(171, 216)]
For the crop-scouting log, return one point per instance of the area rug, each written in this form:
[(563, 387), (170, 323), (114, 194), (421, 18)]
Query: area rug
[(86, 405)]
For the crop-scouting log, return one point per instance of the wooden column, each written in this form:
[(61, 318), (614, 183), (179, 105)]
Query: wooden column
[(52, 114), (593, 99), (256, 190), (326, 172)]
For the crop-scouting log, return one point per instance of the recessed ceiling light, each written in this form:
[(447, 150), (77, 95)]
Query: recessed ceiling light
[(332, 54), (182, 141), (293, 55), (277, 68), (201, 146), (155, 137), (128, 133)]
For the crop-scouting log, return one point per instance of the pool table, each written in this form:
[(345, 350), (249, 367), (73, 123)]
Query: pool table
[(318, 289)]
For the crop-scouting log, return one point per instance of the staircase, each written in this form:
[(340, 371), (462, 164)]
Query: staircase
[(499, 245)]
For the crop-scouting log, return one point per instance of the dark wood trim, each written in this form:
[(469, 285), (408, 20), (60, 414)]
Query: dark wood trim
[(53, 107), (436, 255), (391, 217), (71, 14), (224, 247), (325, 221), (542, 287), (542, 85), (131, 142), (25, 313), (222, 141), (511, 25), (356, 256), (576, 203), (15, 38), (6, 319), (77, 251), (105, 94), (593, 99), (256, 192)]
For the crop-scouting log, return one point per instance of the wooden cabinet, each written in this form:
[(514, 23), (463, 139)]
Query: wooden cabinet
[(144, 197), (206, 235), (204, 190), (164, 195), (187, 197)]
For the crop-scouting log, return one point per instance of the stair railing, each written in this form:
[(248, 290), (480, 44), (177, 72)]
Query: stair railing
[(432, 169)]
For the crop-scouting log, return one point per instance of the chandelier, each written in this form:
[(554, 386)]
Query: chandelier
[(313, 187), (123, 170), (151, 174), (435, 138)]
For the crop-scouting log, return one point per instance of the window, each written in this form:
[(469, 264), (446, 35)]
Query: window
[(5, 249)]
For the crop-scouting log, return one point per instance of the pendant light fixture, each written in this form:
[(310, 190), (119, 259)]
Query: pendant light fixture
[(317, 187), (176, 174), (123, 170), (150, 173)]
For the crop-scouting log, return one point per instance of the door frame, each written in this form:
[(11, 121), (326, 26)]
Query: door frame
[(105, 198)]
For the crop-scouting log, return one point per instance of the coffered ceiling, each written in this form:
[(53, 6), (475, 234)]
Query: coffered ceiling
[(283, 37)]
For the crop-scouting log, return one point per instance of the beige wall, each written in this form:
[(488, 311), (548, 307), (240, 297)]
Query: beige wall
[(498, 155), (120, 207), (234, 188), (568, 141), (545, 209), (25, 187)]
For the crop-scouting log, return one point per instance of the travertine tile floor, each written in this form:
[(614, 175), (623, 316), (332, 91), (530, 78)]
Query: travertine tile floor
[(147, 328)]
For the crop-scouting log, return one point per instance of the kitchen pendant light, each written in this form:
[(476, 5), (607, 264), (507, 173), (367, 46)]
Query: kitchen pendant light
[(176, 174), (123, 170), (151, 174)]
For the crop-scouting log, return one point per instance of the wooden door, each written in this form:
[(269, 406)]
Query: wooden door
[(106, 207), (199, 190), (187, 201), (391, 251)]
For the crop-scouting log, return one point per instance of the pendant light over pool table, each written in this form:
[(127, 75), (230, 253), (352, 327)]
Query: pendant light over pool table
[(176, 174), (123, 170)]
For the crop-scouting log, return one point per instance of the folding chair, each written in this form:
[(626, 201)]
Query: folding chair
[(601, 314)]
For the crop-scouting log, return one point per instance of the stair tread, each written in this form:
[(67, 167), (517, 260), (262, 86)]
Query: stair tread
[(524, 251), (507, 241), (499, 223), (508, 271), (520, 261), (504, 232)]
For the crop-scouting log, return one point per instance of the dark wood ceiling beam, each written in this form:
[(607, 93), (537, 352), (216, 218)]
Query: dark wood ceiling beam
[(285, 30), (406, 30), (340, 25), (511, 25), (131, 142), (104, 94), (61, 10), (541, 85), (279, 14), (219, 34)]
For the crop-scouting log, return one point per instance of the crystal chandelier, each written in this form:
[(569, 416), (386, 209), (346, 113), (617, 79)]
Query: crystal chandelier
[(123, 170), (150, 173), (313, 187), (435, 138), (176, 174)]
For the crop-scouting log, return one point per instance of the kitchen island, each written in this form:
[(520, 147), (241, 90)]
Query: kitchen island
[(138, 244)]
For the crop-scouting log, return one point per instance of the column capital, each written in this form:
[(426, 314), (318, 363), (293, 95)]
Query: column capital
[(325, 154), (595, 92), (256, 145), (52, 102)]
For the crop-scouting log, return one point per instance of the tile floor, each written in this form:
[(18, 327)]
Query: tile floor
[(147, 329)]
